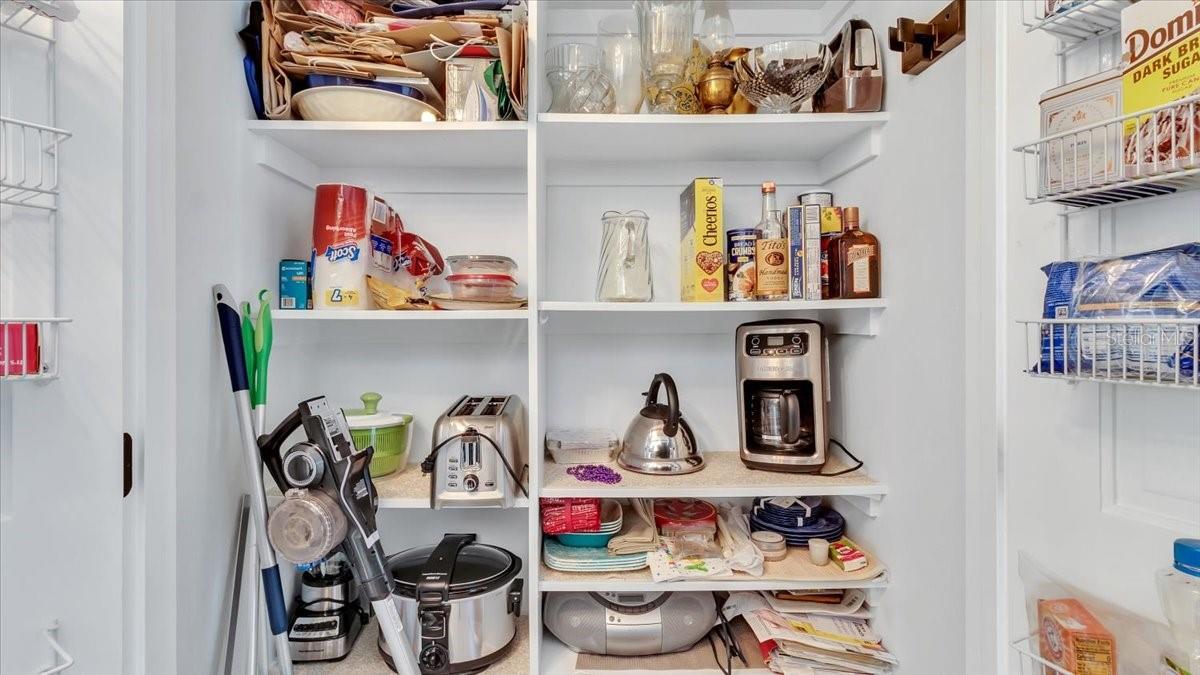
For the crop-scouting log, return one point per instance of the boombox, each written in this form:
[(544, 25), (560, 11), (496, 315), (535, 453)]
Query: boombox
[(630, 624)]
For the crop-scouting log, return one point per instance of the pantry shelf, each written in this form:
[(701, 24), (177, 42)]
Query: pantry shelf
[(855, 317), (395, 145), (1109, 166), (385, 315), (407, 489), (1074, 23), (365, 659), (29, 163), (795, 572), (837, 142), (1155, 352), (723, 476)]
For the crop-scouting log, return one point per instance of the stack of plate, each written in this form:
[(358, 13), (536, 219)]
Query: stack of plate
[(592, 559), (803, 519), (612, 518)]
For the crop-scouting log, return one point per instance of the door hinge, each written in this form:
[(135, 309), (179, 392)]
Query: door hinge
[(127, 464)]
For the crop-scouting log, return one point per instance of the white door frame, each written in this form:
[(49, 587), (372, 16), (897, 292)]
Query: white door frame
[(986, 622), (150, 384)]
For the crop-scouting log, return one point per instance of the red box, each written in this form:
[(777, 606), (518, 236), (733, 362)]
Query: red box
[(13, 357)]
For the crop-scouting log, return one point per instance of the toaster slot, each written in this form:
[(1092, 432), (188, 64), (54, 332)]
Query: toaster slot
[(494, 406), (468, 406)]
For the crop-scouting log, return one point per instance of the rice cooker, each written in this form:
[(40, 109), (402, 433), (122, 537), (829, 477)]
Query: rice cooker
[(459, 603)]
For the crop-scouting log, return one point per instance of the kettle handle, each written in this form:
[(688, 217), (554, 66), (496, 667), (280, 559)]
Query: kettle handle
[(791, 416), (672, 424)]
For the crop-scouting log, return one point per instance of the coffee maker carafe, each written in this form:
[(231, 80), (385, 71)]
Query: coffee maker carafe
[(782, 382)]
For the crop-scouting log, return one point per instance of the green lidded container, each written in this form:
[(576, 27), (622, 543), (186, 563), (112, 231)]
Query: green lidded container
[(389, 432)]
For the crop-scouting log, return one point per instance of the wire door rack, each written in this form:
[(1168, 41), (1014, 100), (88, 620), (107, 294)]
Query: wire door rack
[(1030, 662), (29, 179), (1149, 153), (1073, 22), (1152, 352)]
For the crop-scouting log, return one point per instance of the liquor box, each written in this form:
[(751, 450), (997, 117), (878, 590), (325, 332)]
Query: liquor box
[(1086, 158), (702, 241)]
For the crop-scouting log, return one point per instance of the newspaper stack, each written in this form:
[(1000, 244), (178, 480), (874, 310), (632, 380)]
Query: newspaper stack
[(815, 644)]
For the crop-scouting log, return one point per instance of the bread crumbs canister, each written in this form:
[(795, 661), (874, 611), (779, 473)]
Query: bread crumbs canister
[(739, 268)]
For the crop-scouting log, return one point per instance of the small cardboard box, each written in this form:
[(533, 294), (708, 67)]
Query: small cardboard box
[(1160, 43), (702, 241), (1070, 637)]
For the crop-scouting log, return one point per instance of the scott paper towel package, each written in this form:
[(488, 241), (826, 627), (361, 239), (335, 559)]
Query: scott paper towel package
[(341, 247)]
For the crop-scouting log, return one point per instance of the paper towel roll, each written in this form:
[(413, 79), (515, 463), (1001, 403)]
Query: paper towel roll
[(341, 245)]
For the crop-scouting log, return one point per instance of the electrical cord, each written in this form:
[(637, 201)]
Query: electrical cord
[(430, 463), (731, 646), (858, 463)]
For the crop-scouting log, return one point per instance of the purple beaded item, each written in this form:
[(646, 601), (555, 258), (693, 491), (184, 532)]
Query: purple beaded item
[(594, 473)]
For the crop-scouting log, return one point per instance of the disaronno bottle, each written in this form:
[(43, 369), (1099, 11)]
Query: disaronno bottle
[(854, 260), (771, 250)]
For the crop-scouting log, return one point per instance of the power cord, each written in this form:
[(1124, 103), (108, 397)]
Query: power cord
[(858, 463), (725, 631), (429, 464)]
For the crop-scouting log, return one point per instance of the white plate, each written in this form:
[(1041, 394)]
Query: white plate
[(360, 104)]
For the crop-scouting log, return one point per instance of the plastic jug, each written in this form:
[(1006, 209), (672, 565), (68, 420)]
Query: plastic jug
[(1179, 591)]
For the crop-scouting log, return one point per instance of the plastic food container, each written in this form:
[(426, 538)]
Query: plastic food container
[(481, 264), (390, 434), (582, 446), (771, 544), (481, 287), (680, 517)]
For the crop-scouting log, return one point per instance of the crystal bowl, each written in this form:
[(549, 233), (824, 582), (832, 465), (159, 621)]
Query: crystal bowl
[(779, 77)]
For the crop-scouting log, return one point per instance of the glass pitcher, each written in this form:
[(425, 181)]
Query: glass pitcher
[(624, 274)]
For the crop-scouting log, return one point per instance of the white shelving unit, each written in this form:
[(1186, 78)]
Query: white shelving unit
[(1076, 22), (307, 315), (29, 179), (1025, 654)]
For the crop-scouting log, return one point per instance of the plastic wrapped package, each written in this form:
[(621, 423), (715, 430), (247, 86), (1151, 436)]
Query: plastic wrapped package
[(1160, 284), (570, 515)]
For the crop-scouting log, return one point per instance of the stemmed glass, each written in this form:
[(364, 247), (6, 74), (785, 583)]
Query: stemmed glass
[(666, 31)]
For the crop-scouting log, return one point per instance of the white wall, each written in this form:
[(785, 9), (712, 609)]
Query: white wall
[(898, 397), (219, 224), (1100, 478)]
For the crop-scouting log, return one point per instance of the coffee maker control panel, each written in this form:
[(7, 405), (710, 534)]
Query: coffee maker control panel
[(776, 344)]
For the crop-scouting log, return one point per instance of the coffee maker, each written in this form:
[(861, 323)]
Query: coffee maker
[(783, 395)]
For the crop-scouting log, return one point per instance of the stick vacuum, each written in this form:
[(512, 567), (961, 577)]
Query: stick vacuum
[(235, 357)]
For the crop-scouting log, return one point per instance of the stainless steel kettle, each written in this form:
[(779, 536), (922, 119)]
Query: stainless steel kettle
[(659, 440)]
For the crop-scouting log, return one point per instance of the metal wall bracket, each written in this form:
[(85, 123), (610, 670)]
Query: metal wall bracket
[(922, 44)]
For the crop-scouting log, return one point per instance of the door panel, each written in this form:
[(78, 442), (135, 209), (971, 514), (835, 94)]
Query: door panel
[(61, 530)]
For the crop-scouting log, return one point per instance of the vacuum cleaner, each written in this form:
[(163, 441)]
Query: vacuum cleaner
[(329, 500)]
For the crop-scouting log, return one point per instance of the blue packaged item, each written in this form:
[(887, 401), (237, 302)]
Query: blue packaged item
[(294, 285), (1160, 284)]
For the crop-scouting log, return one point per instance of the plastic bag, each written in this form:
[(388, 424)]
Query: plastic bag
[(1161, 284)]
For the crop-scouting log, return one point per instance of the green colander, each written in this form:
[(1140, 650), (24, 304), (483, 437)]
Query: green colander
[(389, 432)]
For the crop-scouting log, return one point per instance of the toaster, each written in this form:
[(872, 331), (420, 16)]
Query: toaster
[(855, 82), (484, 453)]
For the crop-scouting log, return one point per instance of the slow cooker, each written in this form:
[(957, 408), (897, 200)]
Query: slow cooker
[(459, 602)]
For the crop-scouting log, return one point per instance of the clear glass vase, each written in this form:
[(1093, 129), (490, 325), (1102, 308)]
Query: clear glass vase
[(621, 60), (624, 271), (665, 28), (577, 85)]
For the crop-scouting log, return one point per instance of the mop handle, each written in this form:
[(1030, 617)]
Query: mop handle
[(230, 322)]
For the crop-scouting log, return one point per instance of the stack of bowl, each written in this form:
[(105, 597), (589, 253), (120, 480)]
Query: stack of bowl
[(611, 519)]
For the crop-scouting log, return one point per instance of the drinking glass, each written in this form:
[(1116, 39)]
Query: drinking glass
[(621, 60), (716, 32), (576, 83), (666, 30)]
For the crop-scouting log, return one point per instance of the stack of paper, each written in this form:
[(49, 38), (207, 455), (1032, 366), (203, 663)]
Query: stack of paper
[(816, 644)]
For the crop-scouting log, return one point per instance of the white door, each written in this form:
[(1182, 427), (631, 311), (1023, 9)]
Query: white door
[(1100, 477), (61, 457)]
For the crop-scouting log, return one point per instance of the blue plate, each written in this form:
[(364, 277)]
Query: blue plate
[(312, 81), (404, 11), (585, 539)]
